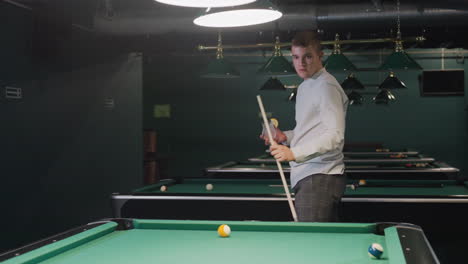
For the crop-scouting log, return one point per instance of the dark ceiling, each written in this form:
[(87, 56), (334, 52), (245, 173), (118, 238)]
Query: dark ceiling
[(442, 23)]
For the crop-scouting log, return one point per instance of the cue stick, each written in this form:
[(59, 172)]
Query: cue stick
[(280, 167)]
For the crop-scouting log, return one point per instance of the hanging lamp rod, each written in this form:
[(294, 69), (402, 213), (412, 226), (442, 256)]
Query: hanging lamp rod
[(328, 42)]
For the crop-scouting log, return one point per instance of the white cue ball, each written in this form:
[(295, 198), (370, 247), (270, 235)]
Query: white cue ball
[(163, 188), (209, 187)]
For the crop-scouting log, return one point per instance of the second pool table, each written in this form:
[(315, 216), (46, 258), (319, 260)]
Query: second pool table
[(248, 170), (350, 160), (429, 204)]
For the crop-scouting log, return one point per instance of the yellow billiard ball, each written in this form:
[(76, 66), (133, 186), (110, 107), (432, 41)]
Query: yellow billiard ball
[(224, 231)]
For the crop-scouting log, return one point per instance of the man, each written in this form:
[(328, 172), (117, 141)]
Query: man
[(316, 143)]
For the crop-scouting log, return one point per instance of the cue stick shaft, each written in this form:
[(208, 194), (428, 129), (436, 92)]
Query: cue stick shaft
[(280, 167)]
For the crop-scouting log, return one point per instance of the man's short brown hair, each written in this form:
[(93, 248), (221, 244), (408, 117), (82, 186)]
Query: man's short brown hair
[(307, 38)]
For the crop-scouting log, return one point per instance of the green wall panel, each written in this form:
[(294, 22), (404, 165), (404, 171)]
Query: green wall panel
[(216, 120)]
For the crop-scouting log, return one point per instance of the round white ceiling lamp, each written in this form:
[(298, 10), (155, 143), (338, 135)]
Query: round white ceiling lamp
[(257, 13), (206, 3)]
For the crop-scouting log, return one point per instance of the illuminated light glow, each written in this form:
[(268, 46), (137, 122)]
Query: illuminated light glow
[(206, 3), (238, 18)]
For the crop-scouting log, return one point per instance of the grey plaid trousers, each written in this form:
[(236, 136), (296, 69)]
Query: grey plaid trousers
[(318, 197)]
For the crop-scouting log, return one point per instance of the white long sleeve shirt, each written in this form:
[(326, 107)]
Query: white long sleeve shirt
[(318, 138)]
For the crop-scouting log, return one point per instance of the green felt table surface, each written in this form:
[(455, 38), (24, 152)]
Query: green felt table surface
[(269, 187), (179, 241), (370, 156), (273, 166)]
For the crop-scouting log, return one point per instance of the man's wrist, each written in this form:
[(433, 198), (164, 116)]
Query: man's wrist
[(283, 139)]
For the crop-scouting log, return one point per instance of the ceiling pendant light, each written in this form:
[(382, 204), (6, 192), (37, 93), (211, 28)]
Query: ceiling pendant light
[(337, 61), (220, 68), (206, 3), (292, 96), (259, 12), (273, 84), (277, 65), (352, 83), (399, 59), (392, 82), (355, 98), (384, 97)]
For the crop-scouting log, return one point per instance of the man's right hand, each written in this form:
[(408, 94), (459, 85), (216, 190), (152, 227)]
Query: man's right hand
[(279, 138)]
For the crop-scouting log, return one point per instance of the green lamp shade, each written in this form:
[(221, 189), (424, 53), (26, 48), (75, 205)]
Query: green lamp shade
[(384, 97), (273, 84), (355, 98), (262, 69), (220, 68), (400, 60), (351, 83), (292, 96), (339, 62), (277, 66), (392, 82)]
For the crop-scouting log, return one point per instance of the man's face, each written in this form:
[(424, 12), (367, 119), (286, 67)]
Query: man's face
[(306, 60)]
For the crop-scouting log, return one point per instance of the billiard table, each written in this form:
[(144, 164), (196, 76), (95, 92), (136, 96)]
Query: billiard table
[(429, 204), (119, 241), (247, 170), (381, 153), (349, 160)]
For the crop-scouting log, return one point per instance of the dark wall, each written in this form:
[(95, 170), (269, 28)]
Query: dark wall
[(16, 39), (212, 120), (216, 120), (65, 146)]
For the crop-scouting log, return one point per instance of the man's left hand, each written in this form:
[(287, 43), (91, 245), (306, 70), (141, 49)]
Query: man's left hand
[(281, 153)]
